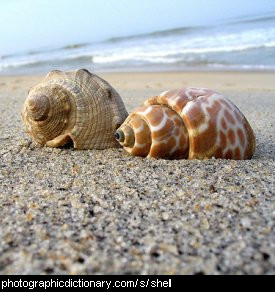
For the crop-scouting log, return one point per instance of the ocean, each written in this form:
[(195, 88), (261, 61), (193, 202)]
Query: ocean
[(239, 44)]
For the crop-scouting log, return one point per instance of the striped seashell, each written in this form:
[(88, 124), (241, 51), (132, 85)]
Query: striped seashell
[(75, 106), (193, 123)]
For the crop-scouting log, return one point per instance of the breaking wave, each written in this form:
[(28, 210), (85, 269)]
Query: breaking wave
[(240, 43)]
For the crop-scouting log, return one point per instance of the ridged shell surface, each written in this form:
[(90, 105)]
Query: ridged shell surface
[(194, 123), (75, 106)]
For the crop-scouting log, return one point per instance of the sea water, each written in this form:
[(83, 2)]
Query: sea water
[(239, 44)]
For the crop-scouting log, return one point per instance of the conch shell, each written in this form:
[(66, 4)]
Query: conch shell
[(193, 123), (75, 106)]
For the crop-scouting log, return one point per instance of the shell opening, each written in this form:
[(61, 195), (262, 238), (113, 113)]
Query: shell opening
[(126, 136), (119, 136), (38, 107)]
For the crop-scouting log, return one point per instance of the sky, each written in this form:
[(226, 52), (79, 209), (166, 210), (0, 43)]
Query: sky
[(27, 25)]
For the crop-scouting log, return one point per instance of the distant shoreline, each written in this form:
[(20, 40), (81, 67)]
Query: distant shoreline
[(152, 71), (164, 80), (238, 46)]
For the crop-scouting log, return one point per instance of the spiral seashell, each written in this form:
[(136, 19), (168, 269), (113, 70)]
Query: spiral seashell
[(75, 106), (194, 123)]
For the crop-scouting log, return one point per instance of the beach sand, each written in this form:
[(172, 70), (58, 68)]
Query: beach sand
[(64, 211)]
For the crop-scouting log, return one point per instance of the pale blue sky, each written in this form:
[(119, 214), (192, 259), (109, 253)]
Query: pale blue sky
[(34, 24)]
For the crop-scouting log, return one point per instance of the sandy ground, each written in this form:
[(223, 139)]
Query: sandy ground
[(93, 212)]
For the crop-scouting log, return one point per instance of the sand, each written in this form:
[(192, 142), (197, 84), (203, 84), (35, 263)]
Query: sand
[(64, 211)]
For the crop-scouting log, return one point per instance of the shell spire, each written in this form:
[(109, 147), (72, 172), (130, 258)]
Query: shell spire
[(75, 106), (38, 107), (194, 123)]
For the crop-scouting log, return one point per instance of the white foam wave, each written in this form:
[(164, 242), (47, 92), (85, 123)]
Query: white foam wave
[(207, 47), (172, 51)]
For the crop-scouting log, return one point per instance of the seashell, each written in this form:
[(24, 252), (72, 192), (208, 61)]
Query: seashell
[(75, 106), (194, 123)]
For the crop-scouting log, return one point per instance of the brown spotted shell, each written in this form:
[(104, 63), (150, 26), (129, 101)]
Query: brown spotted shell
[(194, 123), (75, 106)]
